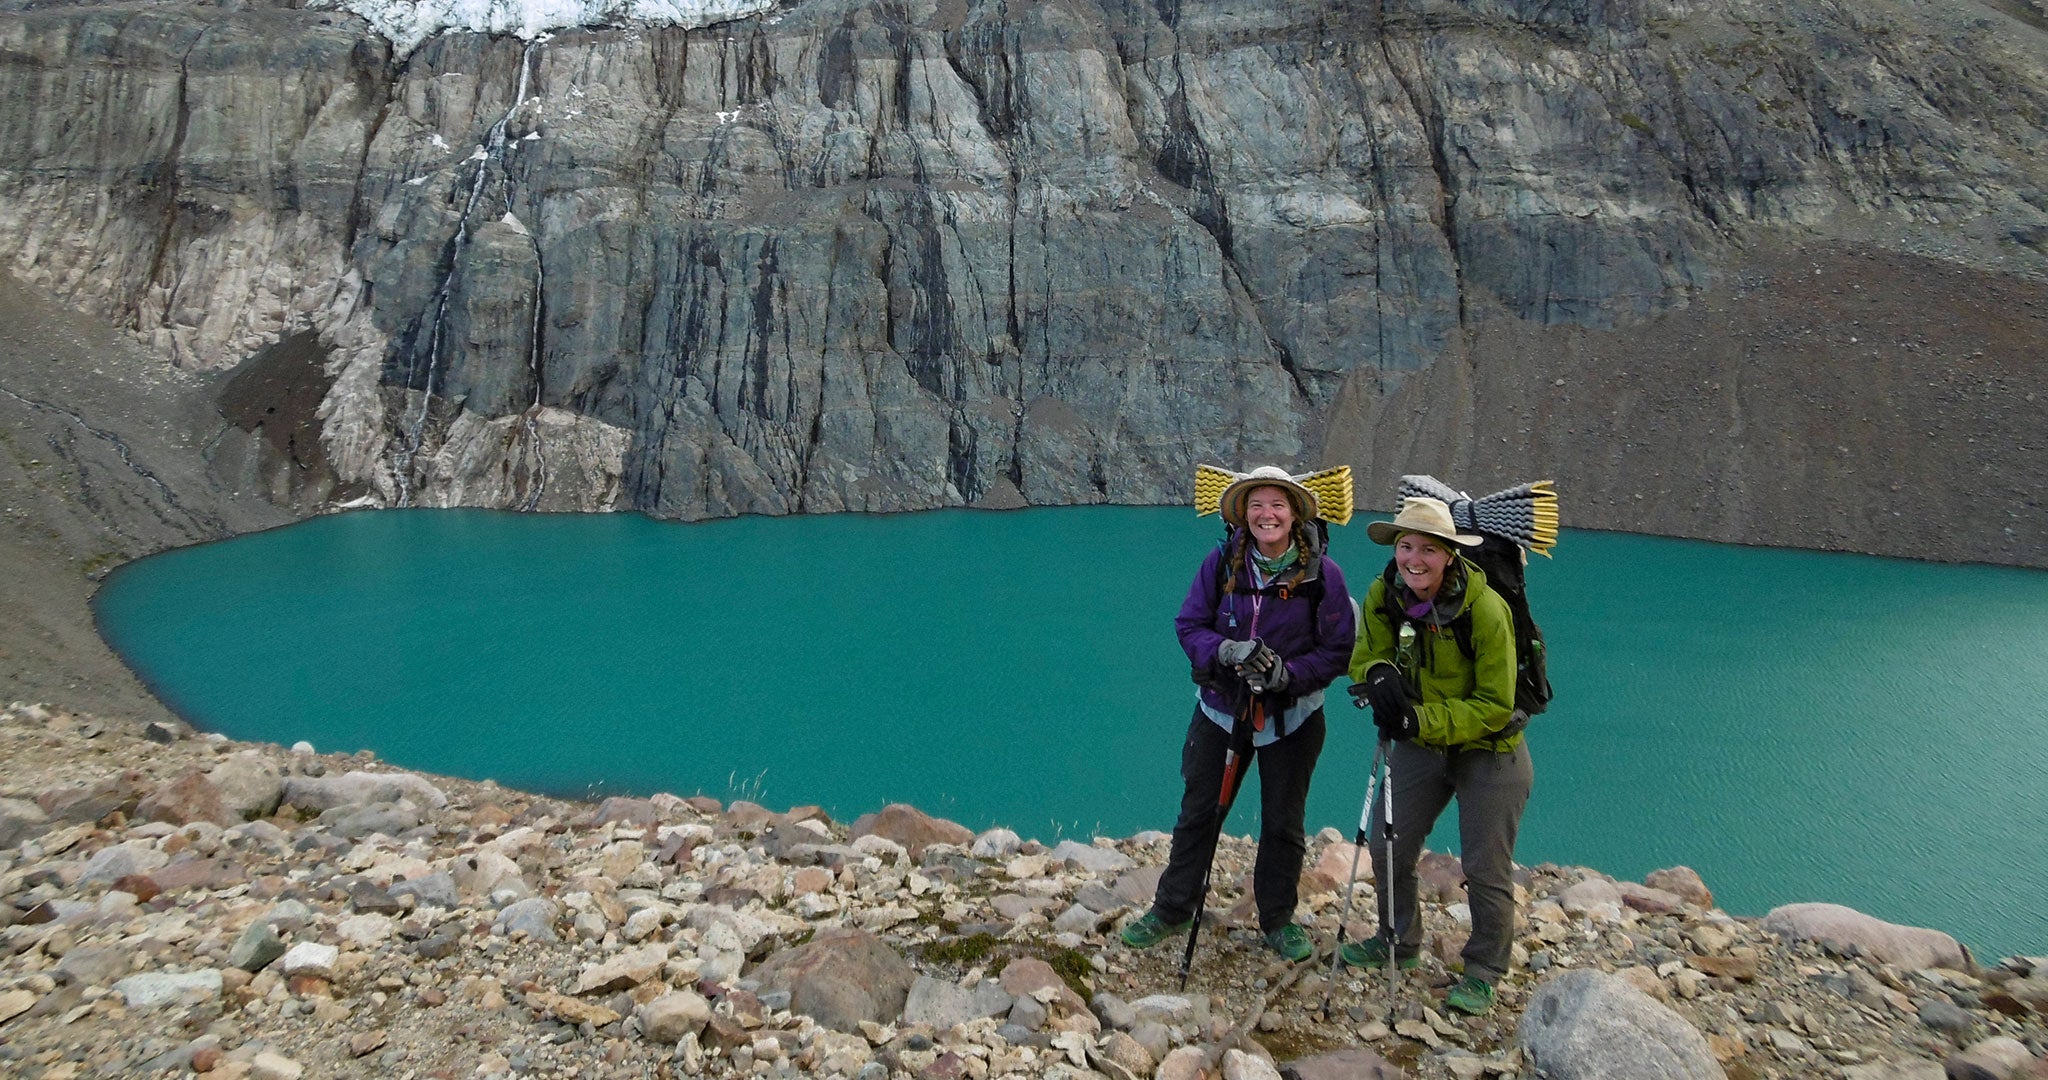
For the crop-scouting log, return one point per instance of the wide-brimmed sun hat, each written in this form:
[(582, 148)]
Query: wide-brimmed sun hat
[(1420, 514), (1325, 494)]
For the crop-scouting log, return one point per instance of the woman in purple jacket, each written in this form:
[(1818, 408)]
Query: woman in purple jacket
[(1267, 625)]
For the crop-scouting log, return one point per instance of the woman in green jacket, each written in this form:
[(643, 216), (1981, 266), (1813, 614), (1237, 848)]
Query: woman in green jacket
[(1436, 661)]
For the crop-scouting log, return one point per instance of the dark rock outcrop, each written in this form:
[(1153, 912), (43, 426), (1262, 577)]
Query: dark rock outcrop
[(874, 257)]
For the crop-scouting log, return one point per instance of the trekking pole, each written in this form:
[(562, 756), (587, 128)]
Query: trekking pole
[(1404, 648), (1387, 926), (1359, 841), (1233, 766)]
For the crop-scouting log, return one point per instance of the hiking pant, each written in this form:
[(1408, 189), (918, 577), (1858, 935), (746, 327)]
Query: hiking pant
[(1491, 788), (1284, 769)]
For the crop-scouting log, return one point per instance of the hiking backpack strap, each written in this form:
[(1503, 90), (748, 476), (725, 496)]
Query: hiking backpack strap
[(1313, 589)]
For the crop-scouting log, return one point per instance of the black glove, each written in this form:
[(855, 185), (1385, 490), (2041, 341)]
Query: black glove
[(1266, 672), (1392, 712)]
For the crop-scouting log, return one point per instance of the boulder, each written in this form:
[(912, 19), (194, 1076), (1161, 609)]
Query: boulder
[(1999, 1058), (1594, 898), (15, 1002), (1028, 976), (996, 844), (1115, 1012), (1128, 1054), (431, 890), (1238, 1065), (1682, 880), (1137, 886), (1586, 1025), (912, 828), (94, 966), (258, 946), (79, 804), (113, 863), (1076, 920), (1170, 1009), (1185, 1063), (534, 916), (1649, 900), (1099, 898), (1440, 877), (249, 786), (668, 1018), (941, 1004), (1349, 1063), (356, 822), (361, 789), (1849, 931), (20, 820), (624, 971), (638, 812), (365, 931), (571, 1010), (840, 978), (1093, 859), (1947, 1017), (271, 1065), (191, 797), (309, 958), (480, 872), (1338, 860), (154, 990)]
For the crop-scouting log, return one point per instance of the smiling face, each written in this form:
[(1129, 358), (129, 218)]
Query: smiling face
[(1421, 559), (1269, 514)]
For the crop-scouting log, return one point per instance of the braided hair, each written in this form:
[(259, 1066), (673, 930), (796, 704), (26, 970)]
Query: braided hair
[(1237, 556)]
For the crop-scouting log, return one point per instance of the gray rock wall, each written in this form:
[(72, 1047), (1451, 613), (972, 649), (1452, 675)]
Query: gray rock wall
[(889, 256)]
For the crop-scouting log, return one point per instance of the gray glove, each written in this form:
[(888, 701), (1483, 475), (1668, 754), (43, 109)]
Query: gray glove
[(1265, 672), (1232, 654)]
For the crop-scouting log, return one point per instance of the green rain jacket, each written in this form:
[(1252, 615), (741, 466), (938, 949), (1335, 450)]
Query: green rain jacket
[(1464, 702)]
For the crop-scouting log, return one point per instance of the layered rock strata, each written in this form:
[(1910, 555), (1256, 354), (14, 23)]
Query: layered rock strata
[(876, 257), (188, 905)]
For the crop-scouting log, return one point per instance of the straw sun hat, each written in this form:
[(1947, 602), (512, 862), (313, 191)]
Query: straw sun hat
[(1420, 514)]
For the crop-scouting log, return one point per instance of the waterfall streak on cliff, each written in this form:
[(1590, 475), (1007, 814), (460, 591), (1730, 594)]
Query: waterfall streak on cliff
[(492, 150), (540, 465)]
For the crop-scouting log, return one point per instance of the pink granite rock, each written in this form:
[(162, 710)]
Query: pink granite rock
[(911, 827), (1683, 881), (1848, 930)]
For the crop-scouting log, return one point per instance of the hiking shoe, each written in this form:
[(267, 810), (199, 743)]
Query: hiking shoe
[(1473, 997), (1372, 953), (1291, 942), (1148, 930)]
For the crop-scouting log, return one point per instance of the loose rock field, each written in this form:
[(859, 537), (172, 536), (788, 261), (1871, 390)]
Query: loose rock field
[(173, 903)]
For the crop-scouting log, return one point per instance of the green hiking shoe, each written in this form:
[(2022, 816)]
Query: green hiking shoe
[(1291, 942), (1471, 996), (1372, 953), (1148, 930)]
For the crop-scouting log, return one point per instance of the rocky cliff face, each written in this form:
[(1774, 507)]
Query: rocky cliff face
[(882, 256)]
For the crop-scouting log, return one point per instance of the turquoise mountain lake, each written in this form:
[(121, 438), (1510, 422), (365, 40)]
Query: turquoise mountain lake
[(1793, 725)]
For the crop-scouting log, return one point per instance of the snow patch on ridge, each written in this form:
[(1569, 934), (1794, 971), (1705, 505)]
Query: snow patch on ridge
[(407, 23)]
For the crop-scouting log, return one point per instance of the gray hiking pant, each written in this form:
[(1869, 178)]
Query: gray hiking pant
[(1491, 789)]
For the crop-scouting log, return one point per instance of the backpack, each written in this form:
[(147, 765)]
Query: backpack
[(1501, 560)]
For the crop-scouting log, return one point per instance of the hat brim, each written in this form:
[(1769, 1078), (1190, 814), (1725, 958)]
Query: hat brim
[(1231, 502), (1386, 534)]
